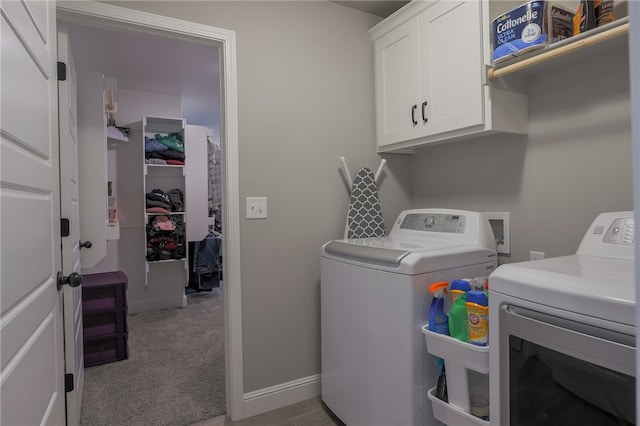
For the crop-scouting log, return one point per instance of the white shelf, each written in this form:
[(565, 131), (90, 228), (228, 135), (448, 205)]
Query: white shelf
[(163, 125), (114, 135), (456, 351), (178, 166), (451, 415), (164, 170), (459, 357), (166, 260), (165, 214), (590, 43)]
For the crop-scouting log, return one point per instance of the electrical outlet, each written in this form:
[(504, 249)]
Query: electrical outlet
[(256, 207), (536, 255)]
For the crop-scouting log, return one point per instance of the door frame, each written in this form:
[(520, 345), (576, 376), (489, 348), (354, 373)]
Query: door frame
[(111, 17)]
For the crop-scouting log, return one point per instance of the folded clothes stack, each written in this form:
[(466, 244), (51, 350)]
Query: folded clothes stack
[(158, 201), (168, 149), (165, 238)]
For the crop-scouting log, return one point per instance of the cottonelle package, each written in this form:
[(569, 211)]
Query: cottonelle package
[(531, 26)]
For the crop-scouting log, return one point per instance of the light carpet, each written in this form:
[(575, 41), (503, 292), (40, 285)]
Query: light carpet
[(174, 374)]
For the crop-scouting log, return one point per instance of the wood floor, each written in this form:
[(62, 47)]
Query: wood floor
[(311, 412)]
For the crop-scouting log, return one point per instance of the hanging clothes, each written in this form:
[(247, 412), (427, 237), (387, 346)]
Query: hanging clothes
[(206, 261), (215, 175)]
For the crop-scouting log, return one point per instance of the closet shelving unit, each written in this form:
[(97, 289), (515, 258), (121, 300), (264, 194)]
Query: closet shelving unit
[(166, 177), (588, 45)]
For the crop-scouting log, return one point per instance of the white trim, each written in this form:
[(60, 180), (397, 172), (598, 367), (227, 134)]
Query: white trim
[(108, 16), (399, 17), (634, 77), (271, 398)]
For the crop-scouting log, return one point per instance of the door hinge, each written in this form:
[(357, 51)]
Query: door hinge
[(68, 382), (64, 227), (62, 71)]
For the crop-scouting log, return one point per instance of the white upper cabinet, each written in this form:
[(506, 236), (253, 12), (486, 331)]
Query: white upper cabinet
[(430, 78), (451, 66), (397, 84)]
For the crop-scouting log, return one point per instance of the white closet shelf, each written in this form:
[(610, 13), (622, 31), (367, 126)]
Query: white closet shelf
[(166, 260), (612, 33), (165, 214)]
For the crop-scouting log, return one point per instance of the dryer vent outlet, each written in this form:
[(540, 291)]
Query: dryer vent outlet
[(499, 222)]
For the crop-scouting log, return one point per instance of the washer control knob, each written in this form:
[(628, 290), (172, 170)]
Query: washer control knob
[(430, 221)]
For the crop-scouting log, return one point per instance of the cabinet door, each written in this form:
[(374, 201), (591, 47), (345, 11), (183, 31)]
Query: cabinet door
[(397, 73), (451, 65)]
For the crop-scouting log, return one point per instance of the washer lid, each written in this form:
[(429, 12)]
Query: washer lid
[(407, 257), (590, 285), (365, 252)]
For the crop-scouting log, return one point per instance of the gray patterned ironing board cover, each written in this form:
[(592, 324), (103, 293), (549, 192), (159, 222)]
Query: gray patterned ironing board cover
[(364, 218)]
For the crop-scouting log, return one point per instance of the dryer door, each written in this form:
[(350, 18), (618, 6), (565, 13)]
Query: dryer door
[(564, 372)]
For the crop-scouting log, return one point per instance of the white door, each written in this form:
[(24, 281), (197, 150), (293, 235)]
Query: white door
[(31, 327), (69, 209)]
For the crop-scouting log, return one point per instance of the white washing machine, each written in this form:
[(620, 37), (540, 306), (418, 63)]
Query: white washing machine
[(374, 300), (562, 333)]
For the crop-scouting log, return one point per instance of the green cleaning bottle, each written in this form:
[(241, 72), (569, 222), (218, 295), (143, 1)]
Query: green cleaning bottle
[(458, 321)]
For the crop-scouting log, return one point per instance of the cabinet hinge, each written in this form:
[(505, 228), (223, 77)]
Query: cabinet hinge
[(62, 71), (64, 227), (68, 382)]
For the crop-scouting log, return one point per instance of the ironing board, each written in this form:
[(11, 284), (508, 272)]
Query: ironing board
[(364, 217)]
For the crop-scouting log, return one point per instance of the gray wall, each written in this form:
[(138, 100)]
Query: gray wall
[(575, 163), (305, 98), (305, 87)]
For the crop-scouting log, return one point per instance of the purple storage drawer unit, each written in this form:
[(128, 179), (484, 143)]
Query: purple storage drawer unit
[(103, 323), (105, 349), (107, 290), (104, 317)]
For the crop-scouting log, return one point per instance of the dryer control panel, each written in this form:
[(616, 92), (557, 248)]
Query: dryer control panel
[(621, 231), (610, 235)]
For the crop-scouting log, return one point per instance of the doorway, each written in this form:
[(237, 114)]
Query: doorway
[(109, 17)]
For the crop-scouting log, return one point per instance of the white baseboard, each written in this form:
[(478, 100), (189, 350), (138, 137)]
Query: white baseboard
[(271, 398)]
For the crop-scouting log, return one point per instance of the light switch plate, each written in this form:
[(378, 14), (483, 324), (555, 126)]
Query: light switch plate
[(256, 207)]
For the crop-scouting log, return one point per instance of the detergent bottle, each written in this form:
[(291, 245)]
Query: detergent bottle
[(438, 319), (458, 288), (458, 321), (478, 314)]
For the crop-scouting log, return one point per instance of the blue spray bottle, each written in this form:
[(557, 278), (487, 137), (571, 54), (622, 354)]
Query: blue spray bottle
[(439, 323), (438, 319)]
